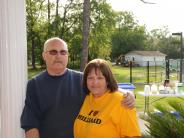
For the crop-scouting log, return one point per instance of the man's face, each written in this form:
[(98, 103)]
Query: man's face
[(56, 57)]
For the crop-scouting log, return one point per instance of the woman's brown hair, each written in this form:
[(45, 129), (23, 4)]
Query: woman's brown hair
[(103, 66)]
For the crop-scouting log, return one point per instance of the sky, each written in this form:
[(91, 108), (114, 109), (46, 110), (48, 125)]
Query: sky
[(154, 16)]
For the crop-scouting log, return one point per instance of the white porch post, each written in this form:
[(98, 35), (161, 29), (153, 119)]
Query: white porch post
[(13, 66)]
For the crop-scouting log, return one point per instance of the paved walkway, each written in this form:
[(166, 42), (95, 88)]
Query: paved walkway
[(142, 123)]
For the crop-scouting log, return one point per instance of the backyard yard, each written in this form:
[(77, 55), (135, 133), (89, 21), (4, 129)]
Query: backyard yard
[(139, 79)]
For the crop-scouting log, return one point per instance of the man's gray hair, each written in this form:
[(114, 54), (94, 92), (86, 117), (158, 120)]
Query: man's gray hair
[(52, 40)]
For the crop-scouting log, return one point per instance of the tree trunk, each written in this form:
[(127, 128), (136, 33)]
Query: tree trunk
[(57, 18), (63, 25), (85, 33), (49, 31), (33, 52)]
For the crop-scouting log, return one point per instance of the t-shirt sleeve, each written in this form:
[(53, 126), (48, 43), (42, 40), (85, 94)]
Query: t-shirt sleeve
[(129, 123), (30, 117)]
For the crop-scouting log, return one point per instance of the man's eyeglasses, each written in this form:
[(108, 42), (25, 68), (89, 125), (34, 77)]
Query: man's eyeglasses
[(55, 52)]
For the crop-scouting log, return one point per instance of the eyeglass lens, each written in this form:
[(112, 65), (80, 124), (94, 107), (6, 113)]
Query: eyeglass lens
[(55, 52)]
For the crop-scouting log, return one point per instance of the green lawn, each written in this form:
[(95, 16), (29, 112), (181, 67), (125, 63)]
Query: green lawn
[(32, 72), (122, 75)]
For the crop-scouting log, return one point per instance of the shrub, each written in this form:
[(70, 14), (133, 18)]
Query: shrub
[(164, 123)]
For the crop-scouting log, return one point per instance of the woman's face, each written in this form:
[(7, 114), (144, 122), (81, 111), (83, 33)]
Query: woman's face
[(96, 83)]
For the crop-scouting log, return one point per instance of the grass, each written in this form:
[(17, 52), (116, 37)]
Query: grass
[(32, 73), (122, 75)]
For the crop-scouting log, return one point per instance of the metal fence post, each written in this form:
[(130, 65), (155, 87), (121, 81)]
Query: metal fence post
[(130, 71), (148, 72), (167, 69)]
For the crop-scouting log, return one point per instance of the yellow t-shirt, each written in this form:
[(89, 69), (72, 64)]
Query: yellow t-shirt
[(104, 117)]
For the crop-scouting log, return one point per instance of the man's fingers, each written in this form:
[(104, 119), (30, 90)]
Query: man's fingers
[(129, 104), (129, 100), (125, 95)]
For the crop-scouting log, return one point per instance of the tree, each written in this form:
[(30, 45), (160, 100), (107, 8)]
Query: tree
[(66, 16), (33, 8), (128, 35), (49, 18), (102, 27), (85, 33), (92, 27), (160, 39)]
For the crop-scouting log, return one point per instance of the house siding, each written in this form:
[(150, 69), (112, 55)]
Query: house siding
[(142, 59)]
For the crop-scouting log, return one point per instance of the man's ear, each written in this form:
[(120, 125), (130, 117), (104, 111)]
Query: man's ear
[(43, 55)]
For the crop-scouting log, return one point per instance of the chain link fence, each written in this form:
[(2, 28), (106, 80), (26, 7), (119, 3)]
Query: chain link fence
[(156, 72)]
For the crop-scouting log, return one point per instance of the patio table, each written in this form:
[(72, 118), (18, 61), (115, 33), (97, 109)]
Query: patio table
[(151, 98)]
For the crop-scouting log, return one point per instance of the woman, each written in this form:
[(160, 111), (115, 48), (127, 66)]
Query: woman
[(101, 115)]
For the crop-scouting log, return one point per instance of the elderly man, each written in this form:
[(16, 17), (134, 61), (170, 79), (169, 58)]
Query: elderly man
[(54, 97)]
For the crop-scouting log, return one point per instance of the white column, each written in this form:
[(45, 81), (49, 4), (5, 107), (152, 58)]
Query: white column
[(13, 66)]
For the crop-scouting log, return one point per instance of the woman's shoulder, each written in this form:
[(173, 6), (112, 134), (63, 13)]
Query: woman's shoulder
[(117, 95)]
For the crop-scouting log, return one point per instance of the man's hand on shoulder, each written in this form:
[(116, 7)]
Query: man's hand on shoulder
[(129, 99)]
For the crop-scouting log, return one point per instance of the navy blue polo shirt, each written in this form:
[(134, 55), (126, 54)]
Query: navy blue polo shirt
[(52, 104)]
